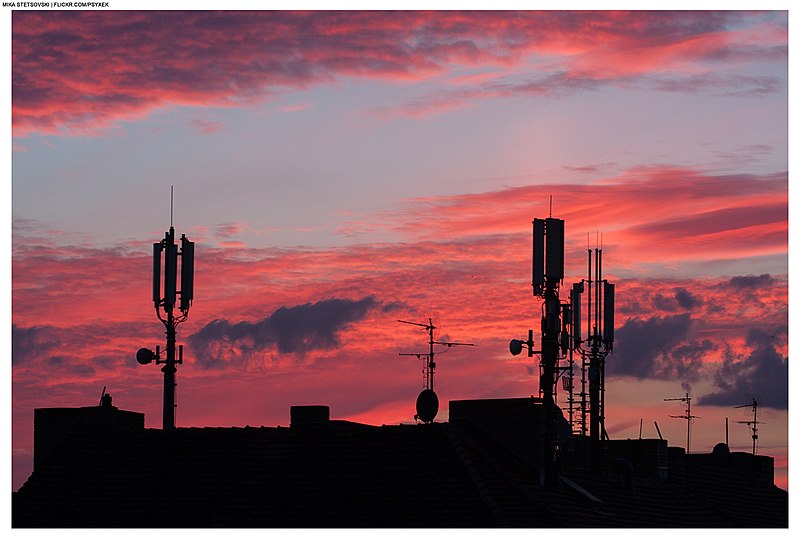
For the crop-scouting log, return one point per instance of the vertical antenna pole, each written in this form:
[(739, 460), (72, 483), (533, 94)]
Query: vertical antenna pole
[(170, 204), (688, 425), (169, 370)]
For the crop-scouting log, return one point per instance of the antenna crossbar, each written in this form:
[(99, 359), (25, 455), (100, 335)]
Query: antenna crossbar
[(752, 424), (687, 416)]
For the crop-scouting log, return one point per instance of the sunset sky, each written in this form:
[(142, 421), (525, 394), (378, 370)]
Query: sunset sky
[(343, 170)]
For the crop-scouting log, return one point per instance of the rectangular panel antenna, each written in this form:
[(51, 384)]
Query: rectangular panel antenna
[(555, 249), (187, 273), (157, 273), (575, 297), (170, 275), (608, 313), (538, 257)]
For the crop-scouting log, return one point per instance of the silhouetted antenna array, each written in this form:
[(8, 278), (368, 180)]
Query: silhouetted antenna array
[(688, 416), (547, 274), (752, 424), (166, 257), (428, 401), (562, 333), (597, 343)]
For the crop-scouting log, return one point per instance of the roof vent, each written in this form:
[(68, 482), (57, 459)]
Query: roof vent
[(309, 415)]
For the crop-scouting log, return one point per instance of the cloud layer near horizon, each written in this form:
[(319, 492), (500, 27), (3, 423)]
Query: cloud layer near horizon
[(75, 72)]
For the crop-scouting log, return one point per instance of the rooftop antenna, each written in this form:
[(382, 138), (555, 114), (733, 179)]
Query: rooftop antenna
[(166, 302), (752, 424), (428, 401), (562, 335), (687, 415), (547, 275), (597, 343)]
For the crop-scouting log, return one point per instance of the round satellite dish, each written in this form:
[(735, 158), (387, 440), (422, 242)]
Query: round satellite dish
[(515, 347), (145, 356), (427, 405)]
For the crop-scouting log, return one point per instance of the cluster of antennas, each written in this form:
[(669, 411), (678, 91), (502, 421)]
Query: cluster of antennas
[(169, 249), (166, 257), (562, 330)]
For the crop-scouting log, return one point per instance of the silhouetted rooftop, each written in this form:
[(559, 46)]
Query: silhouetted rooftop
[(344, 474)]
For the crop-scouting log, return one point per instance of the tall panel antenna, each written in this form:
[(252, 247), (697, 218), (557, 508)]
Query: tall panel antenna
[(554, 256), (575, 303), (164, 301), (608, 314), (538, 257)]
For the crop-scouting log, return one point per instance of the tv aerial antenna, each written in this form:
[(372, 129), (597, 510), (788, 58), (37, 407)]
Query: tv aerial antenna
[(688, 416), (752, 424), (165, 260), (428, 401)]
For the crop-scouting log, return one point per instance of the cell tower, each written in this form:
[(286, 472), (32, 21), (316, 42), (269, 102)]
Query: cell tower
[(167, 255), (562, 335), (548, 273), (752, 424), (595, 347), (428, 401), (687, 415)]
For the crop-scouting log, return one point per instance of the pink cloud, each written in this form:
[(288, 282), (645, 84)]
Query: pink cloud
[(706, 216), (80, 72)]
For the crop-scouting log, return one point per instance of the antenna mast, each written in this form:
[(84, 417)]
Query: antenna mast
[(165, 302), (562, 336), (687, 415), (428, 401), (598, 343), (752, 424)]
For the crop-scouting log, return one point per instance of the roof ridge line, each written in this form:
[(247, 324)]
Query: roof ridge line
[(483, 489)]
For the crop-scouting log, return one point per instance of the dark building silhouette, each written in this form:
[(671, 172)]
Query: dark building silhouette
[(99, 467)]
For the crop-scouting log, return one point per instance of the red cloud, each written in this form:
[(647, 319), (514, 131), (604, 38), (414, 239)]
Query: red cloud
[(684, 213), (80, 71)]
